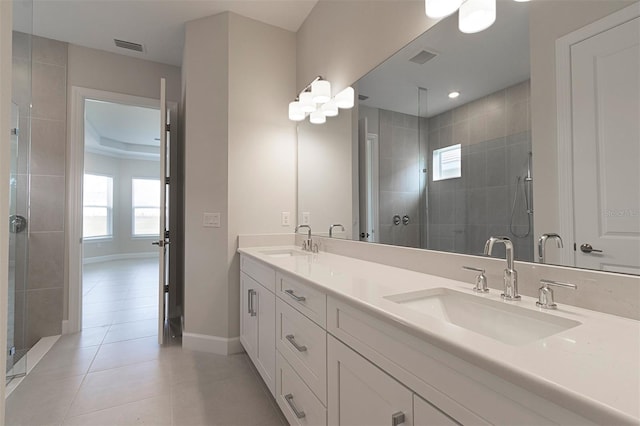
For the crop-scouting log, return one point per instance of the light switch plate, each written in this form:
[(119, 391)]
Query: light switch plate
[(211, 220), (306, 218), (286, 218)]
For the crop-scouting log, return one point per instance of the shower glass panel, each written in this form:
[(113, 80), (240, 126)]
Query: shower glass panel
[(17, 345)]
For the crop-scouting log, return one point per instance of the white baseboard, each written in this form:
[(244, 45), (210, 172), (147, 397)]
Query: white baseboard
[(213, 344), (120, 256)]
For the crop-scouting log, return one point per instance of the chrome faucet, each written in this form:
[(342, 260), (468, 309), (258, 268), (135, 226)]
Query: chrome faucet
[(307, 245), (510, 274), (334, 226), (542, 241)]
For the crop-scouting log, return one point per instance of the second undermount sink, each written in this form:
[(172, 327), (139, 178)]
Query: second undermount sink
[(502, 321), (283, 253)]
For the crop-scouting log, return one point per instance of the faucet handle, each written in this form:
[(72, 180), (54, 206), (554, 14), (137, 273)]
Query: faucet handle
[(545, 294), (481, 279)]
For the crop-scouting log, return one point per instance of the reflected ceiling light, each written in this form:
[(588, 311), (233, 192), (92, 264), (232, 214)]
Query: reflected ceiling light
[(295, 111), (321, 91), (346, 98), (476, 15), (441, 8), (306, 102), (317, 117), (330, 109), (454, 95)]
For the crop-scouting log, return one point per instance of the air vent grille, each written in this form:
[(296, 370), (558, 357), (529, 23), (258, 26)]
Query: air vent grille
[(129, 45), (423, 57)]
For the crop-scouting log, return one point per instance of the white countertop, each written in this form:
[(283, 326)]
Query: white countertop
[(591, 368)]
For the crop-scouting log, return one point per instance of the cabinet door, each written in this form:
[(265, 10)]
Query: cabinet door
[(425, 414), (265, 360), (248, 315), (362, 394)]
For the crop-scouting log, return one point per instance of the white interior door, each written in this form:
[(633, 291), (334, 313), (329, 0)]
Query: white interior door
[(163, 241), (605, 86)]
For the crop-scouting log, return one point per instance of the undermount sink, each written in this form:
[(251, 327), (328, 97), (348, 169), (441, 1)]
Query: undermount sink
[(283, 253), (502, 321)]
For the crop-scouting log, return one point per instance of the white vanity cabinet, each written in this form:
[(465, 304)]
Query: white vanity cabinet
[(257, 318), (360, 394)]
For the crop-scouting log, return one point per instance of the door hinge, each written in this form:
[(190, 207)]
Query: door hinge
[(166, 288), (166, 235), (167, 127), (12, 351), (166, 180), (14, 131), (575, 248)]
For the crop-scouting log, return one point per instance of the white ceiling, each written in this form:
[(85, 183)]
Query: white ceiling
[(157, 24), (122, 130), (473, 64)]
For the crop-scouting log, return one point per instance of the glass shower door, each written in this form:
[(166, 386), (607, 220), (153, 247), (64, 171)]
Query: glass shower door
[(16, 360)]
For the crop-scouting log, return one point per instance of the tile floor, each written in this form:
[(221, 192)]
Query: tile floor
[(115, 373)]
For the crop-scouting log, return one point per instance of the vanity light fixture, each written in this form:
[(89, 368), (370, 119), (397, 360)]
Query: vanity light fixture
[(317, 117), (441, 8), (321, 91), (306, 102), (476, 15), (473, 15), (346, 98), (315, 100), (454, 95)]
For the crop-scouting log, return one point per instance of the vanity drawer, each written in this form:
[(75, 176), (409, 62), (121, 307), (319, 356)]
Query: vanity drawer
[(304, 345), (303, 297), (259, 272), (299, 405)]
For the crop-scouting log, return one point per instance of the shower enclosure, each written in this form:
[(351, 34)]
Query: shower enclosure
[(17, 344)]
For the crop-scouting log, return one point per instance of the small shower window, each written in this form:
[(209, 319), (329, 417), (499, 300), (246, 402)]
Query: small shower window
[(447, 163)]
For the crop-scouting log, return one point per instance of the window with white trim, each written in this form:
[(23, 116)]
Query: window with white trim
[(145, 207), (447, 163), (97, 209)]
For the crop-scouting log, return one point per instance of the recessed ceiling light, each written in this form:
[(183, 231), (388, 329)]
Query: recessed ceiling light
[(454, 95)]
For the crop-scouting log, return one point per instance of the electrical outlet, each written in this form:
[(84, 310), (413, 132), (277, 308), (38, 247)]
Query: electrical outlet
[(306, 218), (286, 218)]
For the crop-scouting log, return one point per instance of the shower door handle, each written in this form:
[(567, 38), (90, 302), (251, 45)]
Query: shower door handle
[(17, 224)]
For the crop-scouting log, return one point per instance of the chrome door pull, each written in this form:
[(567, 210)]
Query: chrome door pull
[(587, 248), (299, 414), (397, 418), (295, 344), (294, 297), (252, 309)]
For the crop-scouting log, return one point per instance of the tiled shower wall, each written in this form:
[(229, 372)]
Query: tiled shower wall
[(39, 303), (399, 178), (495, 134)]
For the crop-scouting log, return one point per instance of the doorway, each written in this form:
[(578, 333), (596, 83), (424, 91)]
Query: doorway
[(120, 219), (117, 187)]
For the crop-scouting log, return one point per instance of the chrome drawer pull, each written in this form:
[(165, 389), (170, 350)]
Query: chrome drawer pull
[(294, 297), (397, 418), (292, 340), (252, 308), (289, 399)]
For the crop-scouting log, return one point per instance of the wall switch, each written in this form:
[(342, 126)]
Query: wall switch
[(211, 220), (286, 218), (306, 218)]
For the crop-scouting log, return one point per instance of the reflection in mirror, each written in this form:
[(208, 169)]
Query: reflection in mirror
[(446, 153)]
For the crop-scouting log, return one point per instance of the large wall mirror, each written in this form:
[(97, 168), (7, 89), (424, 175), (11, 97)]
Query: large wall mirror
[(460, 137)]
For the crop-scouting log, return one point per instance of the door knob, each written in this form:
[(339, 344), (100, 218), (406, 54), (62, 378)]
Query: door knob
[(587, 248)]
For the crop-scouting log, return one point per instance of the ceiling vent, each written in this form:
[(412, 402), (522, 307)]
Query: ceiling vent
[(423, 57), (362, 97), (129, 45)]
